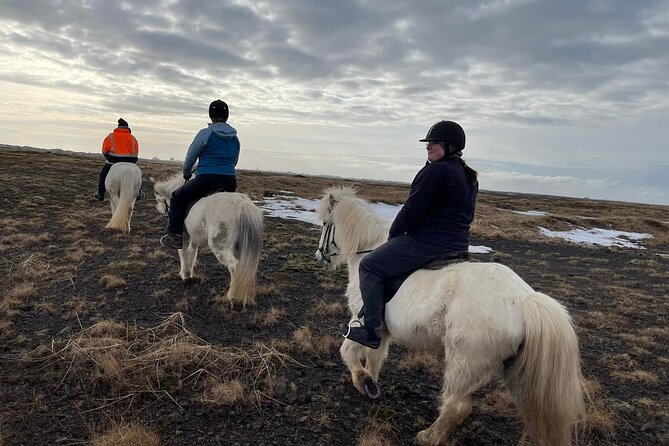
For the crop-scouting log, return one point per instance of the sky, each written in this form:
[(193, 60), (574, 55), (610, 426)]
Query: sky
[(290, 207), (567, 98)]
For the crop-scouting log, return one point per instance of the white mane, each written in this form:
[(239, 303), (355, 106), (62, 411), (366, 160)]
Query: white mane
[(356, 222), (172, 183)]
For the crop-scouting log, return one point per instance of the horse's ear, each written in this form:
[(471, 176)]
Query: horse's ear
[(332, 201), (152, 180)]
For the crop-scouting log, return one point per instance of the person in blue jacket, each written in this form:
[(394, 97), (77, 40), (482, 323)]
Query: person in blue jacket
[(217, 149), (433, 222)]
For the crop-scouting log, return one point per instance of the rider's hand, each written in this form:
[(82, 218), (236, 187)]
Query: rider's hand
[(187, 177)]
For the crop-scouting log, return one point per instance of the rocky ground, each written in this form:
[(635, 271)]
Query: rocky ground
[(98, 333)]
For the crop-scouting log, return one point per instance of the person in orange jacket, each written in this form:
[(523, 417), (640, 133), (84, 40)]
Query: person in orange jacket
[(119, 146)]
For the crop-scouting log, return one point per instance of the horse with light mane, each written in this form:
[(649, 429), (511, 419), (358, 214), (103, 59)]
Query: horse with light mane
[(122, 183), (482, 317), (230, 225)]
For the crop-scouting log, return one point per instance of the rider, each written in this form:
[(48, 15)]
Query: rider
[(118, 147), (217, 148), (434, 221)]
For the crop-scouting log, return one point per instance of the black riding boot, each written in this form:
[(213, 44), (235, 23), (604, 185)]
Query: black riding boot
[(369, 337)]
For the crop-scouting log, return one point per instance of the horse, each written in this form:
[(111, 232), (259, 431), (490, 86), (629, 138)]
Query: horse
[(122, 183), (482, 317), (230, 225)]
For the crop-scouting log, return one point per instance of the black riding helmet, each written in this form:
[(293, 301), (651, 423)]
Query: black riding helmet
[(218, 110), (448, 132)]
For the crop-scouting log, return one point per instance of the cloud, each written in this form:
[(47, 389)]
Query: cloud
[(518, 73)]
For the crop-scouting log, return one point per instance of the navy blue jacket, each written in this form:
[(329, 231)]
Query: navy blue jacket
[(440, 206)]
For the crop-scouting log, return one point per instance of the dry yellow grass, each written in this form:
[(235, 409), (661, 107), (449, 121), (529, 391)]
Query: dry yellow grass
[(126, 359), (127, 435), (422, 360), (112, 281), (271, 317), (224, 393), (329, 309), (375, 433), (305, 340), (598, 418), (636, 375)]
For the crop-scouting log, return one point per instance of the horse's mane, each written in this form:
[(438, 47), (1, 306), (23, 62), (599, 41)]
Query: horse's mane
[(172, 183), (358, 227)]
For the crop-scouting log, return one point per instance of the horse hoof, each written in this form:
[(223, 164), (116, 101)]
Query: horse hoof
[(371, 389)]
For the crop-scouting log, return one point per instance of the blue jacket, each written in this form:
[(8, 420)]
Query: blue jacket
[(440, 206), (217, 148)]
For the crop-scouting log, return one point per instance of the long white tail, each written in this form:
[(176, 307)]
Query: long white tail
[(127, 194), (248, 230), (546, 380)]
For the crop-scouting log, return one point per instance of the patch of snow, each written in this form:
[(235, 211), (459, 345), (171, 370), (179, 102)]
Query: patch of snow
[(531, 213), (480, 249), (597, 236)]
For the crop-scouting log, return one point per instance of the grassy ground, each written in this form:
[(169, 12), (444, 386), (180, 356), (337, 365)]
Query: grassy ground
[(100, 343)]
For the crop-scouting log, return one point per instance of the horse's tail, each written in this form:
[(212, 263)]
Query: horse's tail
[(127, 194), (248, 242), (546, 379)]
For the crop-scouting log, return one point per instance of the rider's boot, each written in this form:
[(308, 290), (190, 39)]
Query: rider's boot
[(367, 336)]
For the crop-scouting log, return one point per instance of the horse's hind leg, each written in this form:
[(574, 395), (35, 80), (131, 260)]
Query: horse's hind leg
[(188, 257), (466, 371)]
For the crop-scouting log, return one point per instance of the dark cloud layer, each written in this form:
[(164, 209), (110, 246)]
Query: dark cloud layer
[(497, 64)]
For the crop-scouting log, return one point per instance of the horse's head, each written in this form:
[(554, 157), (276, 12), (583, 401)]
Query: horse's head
[(350, 227), (163, 190)]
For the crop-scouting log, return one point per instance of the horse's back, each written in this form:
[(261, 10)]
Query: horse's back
[(461, 298), (217, 213)]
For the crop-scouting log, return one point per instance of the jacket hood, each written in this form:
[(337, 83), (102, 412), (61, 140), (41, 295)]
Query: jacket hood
[(223, 130)]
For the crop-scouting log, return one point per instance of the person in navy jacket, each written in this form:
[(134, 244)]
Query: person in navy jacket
[(433, 222), (216, 148)]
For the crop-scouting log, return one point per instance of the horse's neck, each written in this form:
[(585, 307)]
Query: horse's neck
[(353, 288)]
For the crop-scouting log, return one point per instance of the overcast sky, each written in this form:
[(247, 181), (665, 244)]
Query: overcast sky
[(559, 97)]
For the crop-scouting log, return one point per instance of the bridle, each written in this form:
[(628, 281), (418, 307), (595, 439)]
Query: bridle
[(329, 240)]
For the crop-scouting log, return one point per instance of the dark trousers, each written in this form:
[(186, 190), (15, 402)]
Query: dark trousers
[(193, 190), (105, 169), (397, 257)]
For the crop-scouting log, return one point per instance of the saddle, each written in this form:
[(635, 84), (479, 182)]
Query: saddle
[(190, 205)]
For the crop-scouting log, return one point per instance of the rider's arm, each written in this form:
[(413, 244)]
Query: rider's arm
[(421, 195), (194, 151)]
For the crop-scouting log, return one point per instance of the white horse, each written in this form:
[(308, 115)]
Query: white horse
[(122, 183), (484, 319), (230, 225)]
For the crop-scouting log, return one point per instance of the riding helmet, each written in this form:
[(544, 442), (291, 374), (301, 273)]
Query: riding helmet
[(218, 110), (447, 131)]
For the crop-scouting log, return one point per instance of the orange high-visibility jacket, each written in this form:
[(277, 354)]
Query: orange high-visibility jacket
[(120, 143)]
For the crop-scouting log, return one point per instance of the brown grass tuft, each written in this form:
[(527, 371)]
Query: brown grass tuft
[(126, 360), (112, 281), (375, 433), (224, 394), (305, 340), (272, 317), (328, 309), (127, 435), (636, 375), (422, 360)]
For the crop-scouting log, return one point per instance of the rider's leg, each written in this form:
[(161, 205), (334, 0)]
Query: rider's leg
[(394, 258), (101, 182)]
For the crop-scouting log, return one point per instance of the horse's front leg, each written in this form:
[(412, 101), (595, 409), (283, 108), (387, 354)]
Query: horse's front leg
[(374, 359), (351, 353)]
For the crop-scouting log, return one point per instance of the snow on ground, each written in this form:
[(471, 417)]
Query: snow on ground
[(597, 236), (295, 208)]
